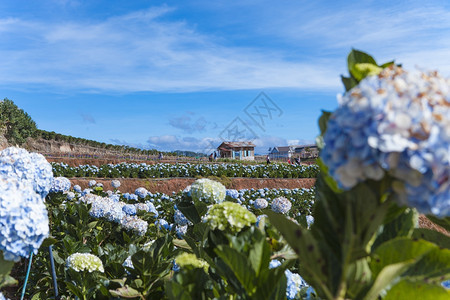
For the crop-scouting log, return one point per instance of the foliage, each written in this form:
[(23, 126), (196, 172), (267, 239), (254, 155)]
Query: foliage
[(19, 125), (165, 170)]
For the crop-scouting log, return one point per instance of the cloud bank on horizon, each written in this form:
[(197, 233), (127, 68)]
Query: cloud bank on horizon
[(76, 49)]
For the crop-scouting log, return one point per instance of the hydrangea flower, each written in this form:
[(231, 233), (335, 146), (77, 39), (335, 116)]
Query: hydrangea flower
[(80, 262), (60, 185), (395, 122), (294, 281), (259, 218), (260, 203), (152, 208), (234, 194), (70, 195), (281, 205), (161, 223), (129, 209), (135, 224), (187, 190), (115, 183), (180, 219), (141, 192), (31, 167), (190, 261), (23, 219), (229, 216), (128, 263), (181, 231), (77, 188), (208, 191), (92, 183)]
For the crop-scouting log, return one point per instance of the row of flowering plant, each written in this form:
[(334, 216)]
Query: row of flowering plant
[(165, 170), (142, 245), (384, 159)]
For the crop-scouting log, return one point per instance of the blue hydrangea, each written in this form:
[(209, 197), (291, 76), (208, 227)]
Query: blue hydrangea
[(141, 192), (396, 122), (23, 219), (77, 188), (152, 208), (281, 205), (70, 196), (180, 219), (86, 191), (259, 218), (161, 223), (446, 284), (294, 281), (129, 209), (181, 231), (115, 183), (114, 197), (260, 203), (135, 224), (60, 185), (31, 167), (92, 183), (234, 194)]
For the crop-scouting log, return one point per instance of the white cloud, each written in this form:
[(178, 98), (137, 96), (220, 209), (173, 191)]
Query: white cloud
[(142, 52)]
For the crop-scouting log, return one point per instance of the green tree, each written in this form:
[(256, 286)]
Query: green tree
[(19, 125)]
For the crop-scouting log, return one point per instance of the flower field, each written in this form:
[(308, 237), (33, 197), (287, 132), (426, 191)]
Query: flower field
[(164, 170), (355, 235)]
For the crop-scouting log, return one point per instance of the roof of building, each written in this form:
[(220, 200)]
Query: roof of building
[(236, 144)]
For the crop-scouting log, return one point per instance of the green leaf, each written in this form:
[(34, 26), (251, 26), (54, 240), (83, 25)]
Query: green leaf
[(181, 244), (387, 275), (399, 250), (407, 290), (349, 82), (433, 266), (126, 292), (48, 242), (362, 70), (402, 226), (260, 254), (240, 266), (190, 211), (5, 265), (323, 121), (358, 57), (432, 236)]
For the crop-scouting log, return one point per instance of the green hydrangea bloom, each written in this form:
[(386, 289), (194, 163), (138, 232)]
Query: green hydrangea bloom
[(84, 262), (229, 216), (189, 260), (208, 191)]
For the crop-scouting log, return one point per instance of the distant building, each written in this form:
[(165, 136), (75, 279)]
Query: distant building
[(237, 150), (281, 152), (307, 151), (293, 151)]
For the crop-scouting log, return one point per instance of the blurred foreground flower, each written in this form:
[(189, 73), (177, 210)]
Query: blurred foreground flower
[(397, 122)]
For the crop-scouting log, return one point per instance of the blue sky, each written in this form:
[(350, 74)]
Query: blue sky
[(180, 74)]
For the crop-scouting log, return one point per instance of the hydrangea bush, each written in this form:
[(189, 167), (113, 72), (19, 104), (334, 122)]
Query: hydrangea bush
[(385, 155)]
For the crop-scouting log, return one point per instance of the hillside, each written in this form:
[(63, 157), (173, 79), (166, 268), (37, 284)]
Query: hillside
[(17, 128)]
